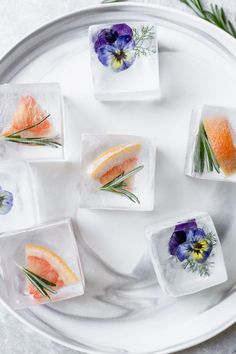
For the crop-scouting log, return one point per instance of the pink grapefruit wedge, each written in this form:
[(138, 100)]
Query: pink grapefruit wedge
[(222, 143), (27, 114), (114, 161), (48, 265)]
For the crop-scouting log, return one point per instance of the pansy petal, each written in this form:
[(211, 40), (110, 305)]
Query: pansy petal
[(125, 43), (195, 235), (123, 29), (176, 239), (103, 37), (111, 36), (200, 233), (6, 202), (208, 251), (183, 251), (129, 59), (99, 39), (190, 224), (106, 54)]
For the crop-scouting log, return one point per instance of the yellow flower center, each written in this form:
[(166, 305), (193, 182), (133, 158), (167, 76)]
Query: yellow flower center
[(120, 55), (198, 250)]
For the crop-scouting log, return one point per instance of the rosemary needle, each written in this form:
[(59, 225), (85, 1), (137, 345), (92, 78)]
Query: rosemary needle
[(41, 284), (118, 185), (204, 156), (43, 141)]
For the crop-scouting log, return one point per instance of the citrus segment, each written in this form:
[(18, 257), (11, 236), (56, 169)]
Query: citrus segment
[(27, 114), (48, 265), (221, 140), (115, 171), (114, 161)]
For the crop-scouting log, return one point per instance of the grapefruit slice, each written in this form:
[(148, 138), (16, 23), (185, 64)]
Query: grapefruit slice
[(27, 114), (114, 161), (48, 265), (221, 140)]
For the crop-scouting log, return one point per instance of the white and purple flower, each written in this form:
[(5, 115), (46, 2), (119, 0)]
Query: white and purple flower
[(115, 47), (190, 243), (6, 201)]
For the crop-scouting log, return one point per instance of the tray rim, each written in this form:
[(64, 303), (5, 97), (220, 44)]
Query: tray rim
[(219, 37)]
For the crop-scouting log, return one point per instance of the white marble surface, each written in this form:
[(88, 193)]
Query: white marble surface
[(17, 19)]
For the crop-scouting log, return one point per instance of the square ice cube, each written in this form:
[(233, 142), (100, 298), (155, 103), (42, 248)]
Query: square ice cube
[(26, 105), (18, 207), (186, 255), (105, 157), (49, 251), (211, 152), (124, 61)]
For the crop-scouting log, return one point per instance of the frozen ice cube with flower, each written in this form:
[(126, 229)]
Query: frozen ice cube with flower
[(186, 255), (18, 205), (124, 60)]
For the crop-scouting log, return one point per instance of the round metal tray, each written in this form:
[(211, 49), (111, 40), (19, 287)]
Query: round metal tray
[(123, 309)]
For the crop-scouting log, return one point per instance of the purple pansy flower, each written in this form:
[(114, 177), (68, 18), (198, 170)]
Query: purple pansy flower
[(179, 235), (6, 201), (196, 247), (118, 56), (115, 47), (189, 242)]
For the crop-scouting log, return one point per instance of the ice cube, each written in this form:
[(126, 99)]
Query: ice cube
[(23, 106), (117, 154), (124, 60), (18, 207), (50, 251), (186, 255), (211, 153)]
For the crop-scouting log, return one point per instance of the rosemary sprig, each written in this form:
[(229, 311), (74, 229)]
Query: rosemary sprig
[(34, 141), (118, 185), (41, 284), (43, 141), (142, 40), (216, 16), (204, 155), (30, 127)]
